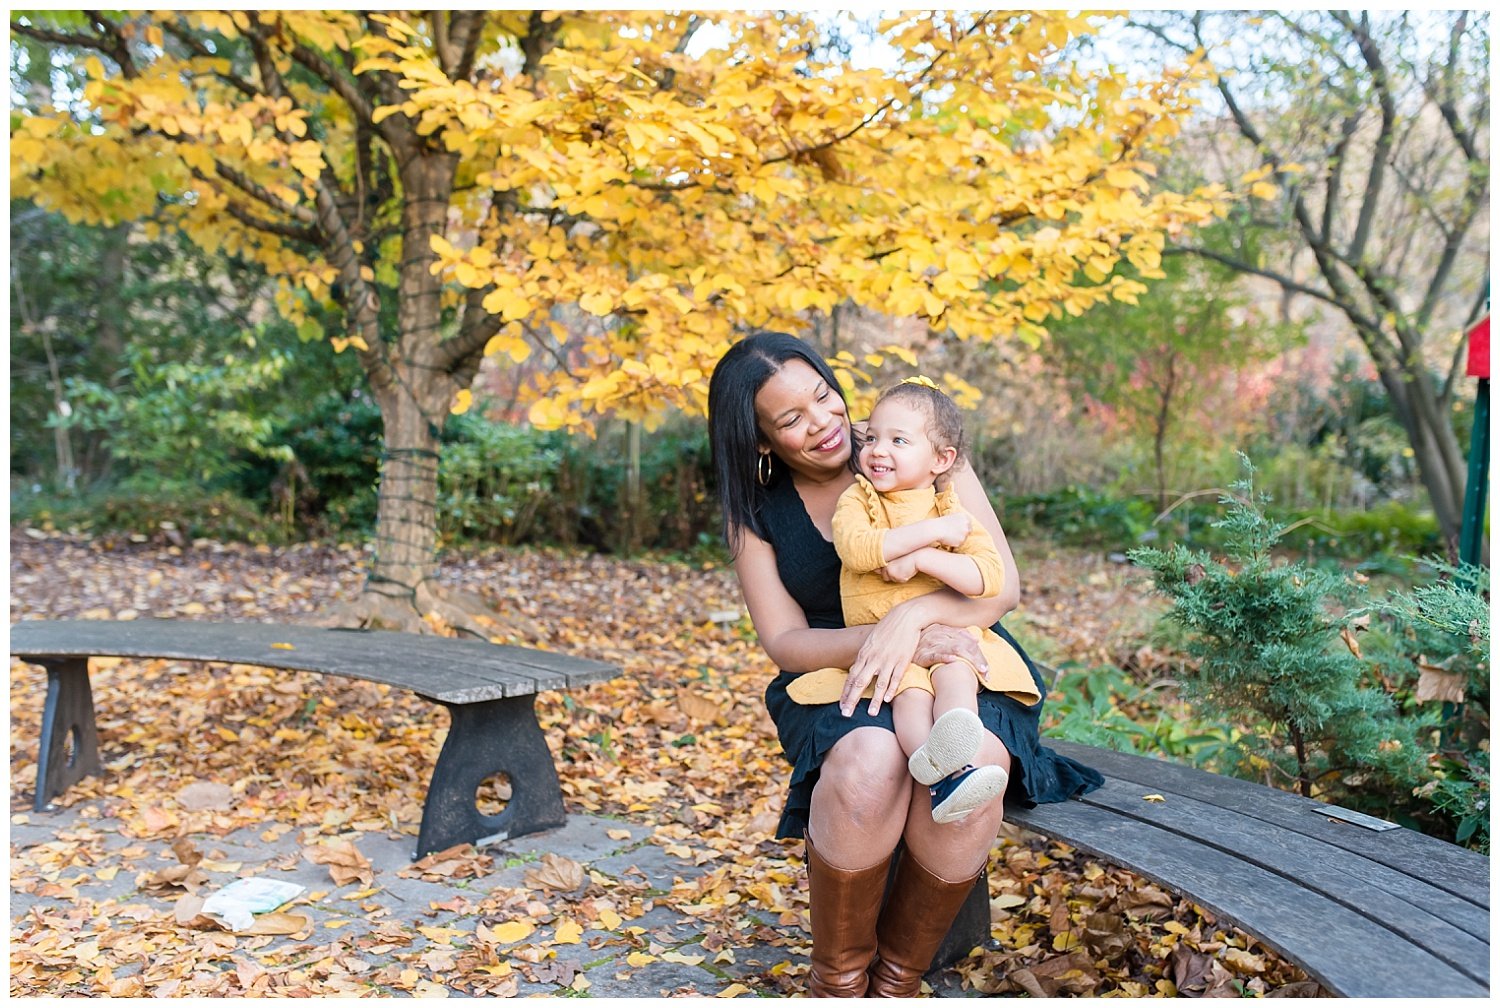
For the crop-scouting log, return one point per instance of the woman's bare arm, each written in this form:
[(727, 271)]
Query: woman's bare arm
[(779, 620)]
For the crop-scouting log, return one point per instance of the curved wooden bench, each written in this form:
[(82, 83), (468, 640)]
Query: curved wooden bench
[(489, 690), (1366, 907)]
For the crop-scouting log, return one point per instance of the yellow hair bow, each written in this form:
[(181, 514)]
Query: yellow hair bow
[(921, 380)]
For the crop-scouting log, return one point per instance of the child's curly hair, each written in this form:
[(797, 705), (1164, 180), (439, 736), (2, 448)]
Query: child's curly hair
[(945, 425)]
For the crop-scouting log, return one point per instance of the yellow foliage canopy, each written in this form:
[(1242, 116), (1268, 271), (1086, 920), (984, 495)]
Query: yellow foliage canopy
[(665, 197)]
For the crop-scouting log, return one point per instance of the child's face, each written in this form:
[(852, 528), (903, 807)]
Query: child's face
[(897, 453)]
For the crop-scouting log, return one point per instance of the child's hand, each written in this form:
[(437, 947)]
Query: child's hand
[(953, 529), (901, 569)]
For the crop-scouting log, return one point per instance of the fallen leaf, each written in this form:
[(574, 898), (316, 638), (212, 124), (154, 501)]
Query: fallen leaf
[(558, 971), (442, 935), (279, 922), (202, 795), (557, 873), (186, 851), (1350, 642), (507, 933), (1242, 961), (188, 908), (460, 861), (345, 863), (1438, 684), (699, 708), (1152, 798)]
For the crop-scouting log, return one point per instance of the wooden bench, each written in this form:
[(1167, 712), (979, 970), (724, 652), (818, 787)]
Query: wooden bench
[(489, 690), (1367, 908)]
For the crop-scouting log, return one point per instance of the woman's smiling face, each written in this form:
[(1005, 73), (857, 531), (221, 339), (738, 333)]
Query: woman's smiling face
[(804, 421)]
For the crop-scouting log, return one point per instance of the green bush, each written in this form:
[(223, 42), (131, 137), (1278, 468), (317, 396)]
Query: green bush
[(1266, 636), (183, 422), (495, 481), (1434, 641), (163, 513), (1103, 706), (1390, 527), (328, 487), (1079, 516)]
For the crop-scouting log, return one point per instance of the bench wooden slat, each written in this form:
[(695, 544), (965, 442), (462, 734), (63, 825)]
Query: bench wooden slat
[(446, 670), (1337, 946), (1389, 898), (1444, 865)]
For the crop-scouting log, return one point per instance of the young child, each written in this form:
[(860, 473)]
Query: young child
[(895, 519)]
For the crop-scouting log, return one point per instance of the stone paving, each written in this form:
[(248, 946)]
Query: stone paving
[(680, 964)]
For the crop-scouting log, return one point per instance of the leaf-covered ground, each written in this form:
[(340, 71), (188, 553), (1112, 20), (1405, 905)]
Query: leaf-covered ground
[(678, 749)]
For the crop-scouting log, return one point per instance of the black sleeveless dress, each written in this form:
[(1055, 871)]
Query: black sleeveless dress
[(809, 569)]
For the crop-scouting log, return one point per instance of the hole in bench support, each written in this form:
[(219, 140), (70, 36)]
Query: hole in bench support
[(493, 794)]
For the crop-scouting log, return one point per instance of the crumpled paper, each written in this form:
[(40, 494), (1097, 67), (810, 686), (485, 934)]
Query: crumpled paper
[(236, 905)]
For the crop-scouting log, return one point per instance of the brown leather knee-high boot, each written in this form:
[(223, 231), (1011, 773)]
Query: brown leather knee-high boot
[(916, 918), (844, 906)]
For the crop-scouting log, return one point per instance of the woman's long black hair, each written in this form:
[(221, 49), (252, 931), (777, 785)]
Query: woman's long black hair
[(734, 436)]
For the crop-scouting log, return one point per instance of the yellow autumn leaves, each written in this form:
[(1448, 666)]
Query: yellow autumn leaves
[(669, 198)]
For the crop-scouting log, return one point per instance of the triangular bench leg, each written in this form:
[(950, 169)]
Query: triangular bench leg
[(70, 742), (485, 739)]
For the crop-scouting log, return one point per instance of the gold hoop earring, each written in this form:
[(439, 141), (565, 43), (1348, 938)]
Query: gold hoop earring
[(763, 469)]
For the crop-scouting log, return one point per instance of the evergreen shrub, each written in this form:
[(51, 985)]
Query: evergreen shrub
[(1272, 645)]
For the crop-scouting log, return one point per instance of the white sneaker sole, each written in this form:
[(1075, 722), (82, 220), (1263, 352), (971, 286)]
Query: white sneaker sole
[(979, 789), (952, 745)]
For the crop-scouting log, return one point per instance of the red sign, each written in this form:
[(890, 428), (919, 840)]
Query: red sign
[(1479, 349)]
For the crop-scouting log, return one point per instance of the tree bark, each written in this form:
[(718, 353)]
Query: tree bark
[(416, 393)]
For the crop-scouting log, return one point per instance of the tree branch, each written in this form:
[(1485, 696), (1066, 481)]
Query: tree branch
[(1286, 282), (110, 44), (195, 46), (260, 194), (1333, 180), (1375, 183), (309, 235), (1445, 101), (119, 47)]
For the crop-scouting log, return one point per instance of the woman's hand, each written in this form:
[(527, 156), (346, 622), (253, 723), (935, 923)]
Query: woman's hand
[(940, 644), (883, 658)]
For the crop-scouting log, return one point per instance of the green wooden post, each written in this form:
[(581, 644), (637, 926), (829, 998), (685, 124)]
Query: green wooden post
[(1471, 539)]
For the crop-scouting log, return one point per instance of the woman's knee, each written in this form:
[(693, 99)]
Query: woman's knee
[(992, 752), (864, 775)]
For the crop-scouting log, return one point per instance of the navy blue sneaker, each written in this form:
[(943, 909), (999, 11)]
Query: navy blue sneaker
[(958, 794)]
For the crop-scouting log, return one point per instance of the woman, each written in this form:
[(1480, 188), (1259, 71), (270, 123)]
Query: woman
[(781, 440)]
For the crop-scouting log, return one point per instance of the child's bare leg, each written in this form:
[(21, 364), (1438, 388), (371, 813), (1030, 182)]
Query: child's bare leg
[(955, 687), (956, 694), (953, 741), (912, 713)]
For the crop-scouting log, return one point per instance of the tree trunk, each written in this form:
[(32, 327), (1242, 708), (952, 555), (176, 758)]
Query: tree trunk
[(406, 519), (1159, 438), (1420, 410), (415, 397)]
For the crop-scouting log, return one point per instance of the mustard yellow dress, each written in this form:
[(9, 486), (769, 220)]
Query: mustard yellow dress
[(860, 522)]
